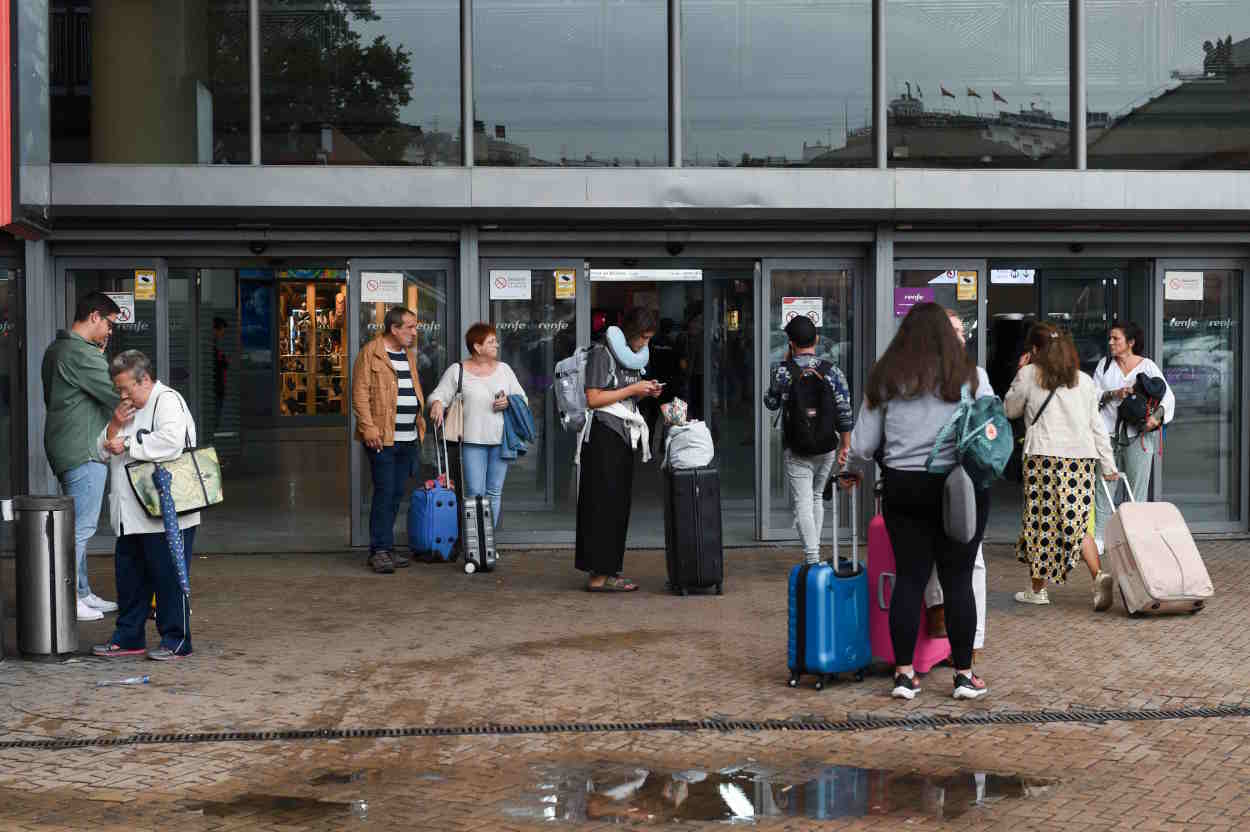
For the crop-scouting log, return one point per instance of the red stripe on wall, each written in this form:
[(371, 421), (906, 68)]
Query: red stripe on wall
[(6, 113)]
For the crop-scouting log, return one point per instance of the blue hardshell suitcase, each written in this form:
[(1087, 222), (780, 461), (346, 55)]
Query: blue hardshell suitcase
[(433, 513), (829, 611)]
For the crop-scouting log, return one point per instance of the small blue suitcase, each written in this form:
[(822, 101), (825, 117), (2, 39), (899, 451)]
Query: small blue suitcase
[(829, 612), (434, 513)]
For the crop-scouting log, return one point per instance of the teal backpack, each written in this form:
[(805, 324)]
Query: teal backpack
[(983, 442)]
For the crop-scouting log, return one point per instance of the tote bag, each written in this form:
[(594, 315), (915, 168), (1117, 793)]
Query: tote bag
[(196, 477)]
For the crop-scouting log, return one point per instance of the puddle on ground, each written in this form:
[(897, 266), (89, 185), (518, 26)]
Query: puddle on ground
[(339, 778), (743, 794), (277, 809)]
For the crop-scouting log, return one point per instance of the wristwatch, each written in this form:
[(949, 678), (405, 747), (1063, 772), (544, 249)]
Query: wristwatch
[(126, 442)]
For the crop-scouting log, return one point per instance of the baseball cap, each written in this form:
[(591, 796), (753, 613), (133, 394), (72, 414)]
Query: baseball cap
[(801, 331)]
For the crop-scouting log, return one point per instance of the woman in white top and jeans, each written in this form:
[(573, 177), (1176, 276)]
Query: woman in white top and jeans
[(1114, 378), (488, 382), (1065, 441)]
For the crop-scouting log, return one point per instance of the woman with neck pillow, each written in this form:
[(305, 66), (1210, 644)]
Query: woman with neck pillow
[(614, 432)]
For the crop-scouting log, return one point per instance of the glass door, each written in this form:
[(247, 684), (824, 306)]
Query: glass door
[(140, 289), (535, 305), (1204, 465), (827, 291), (374, 287), (958, 285)]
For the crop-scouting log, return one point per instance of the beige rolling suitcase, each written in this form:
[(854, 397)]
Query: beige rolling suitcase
[(1154, 559)]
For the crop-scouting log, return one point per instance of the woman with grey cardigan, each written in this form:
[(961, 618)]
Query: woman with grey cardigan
[(1066, 441)]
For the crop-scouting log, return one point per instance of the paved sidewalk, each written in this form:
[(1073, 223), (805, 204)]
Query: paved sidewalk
[(315, 641)]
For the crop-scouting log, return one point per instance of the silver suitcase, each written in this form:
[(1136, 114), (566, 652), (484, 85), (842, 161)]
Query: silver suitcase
[(477, 534)]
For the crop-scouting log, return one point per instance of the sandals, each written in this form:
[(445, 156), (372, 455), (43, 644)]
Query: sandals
[(614, 583)]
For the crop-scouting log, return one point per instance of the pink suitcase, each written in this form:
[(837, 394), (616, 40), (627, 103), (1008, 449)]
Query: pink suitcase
[(1153, 558), (929, 651)]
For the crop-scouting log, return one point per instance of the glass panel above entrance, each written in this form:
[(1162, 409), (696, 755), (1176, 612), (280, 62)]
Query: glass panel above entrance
[(1203, 357)]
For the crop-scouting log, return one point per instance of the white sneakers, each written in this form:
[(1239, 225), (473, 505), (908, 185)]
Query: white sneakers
[(92, 607), (97, 603), (1030, 597), (86, 613)]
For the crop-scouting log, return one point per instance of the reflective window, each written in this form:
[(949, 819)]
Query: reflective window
[(360, 83), (149, 83), (979, 84), (829, 294), (1169, 82), (777, 84), (1202, 362), (956, 289), (423, 291), (580, 83)]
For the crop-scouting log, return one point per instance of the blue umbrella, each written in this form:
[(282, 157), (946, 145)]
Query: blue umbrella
[(173, 534)]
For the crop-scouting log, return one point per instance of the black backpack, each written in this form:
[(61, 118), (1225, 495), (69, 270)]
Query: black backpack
[(1145, 401), (811, 413)]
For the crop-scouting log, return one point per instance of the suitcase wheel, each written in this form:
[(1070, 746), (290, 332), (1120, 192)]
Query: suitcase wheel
[(859, 675), (1124, 601), (469, 567), (794, 680), (719, 590), (684, 592), (820, 682)]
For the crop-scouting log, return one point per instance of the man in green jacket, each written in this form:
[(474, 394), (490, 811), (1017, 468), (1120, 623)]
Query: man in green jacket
[(80, 400)]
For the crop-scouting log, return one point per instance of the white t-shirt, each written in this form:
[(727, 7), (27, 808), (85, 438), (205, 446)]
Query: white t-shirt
[(482, 425)]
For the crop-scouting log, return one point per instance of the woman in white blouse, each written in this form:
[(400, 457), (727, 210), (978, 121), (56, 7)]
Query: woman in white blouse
[(151, 424), (1114, 378), (488, 382)]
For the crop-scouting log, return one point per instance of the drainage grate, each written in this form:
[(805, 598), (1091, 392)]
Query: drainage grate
[(723, 726)]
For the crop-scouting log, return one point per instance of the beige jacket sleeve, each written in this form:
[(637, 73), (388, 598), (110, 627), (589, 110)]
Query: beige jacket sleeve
[(360, 395)]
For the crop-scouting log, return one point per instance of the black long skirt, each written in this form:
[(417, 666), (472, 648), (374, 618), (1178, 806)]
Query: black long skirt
[(603, 501)]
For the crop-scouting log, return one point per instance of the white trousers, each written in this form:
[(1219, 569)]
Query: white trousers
[(933, 595)]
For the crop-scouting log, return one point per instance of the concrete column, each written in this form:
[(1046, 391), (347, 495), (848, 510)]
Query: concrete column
[(470, 283), (882, 291), (43, 319), (149, 96)]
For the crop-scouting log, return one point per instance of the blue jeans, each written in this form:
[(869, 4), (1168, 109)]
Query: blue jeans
[(145, 567), (85, 484), (484, 473), (391, 466)]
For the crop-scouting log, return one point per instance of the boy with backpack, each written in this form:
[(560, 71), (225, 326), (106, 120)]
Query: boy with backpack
[(815, 406)]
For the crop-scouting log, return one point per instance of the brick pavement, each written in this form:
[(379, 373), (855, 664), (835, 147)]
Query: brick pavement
[(290, 641)]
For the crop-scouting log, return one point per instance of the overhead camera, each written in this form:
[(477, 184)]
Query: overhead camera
[(258, 246), (1076, 248), (675, 248)]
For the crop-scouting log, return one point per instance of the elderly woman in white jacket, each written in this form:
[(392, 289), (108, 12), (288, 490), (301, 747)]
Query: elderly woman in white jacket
[(151, 424)]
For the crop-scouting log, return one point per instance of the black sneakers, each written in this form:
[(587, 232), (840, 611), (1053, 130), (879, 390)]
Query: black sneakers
[(381, 563), (969, 686), (905, 687)]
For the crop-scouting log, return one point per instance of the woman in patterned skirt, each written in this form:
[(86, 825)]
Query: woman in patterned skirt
[(1064, 446)]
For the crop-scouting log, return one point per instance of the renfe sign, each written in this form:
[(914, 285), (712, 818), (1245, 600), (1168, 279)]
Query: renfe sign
[(905, 297)]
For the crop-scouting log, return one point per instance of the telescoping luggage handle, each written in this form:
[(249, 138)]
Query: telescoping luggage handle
[(1107, 490), (442, 463), (849, 481)]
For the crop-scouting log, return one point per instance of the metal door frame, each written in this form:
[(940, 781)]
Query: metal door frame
[(66, 298), (1161, 267), (355, 456), (864, 331), (581, 323)]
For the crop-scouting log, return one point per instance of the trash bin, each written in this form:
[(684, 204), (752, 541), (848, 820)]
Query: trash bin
[(47, 575)]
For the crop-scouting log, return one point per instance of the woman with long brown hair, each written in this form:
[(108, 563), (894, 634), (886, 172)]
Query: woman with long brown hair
[(912, 392), (1065, 442)]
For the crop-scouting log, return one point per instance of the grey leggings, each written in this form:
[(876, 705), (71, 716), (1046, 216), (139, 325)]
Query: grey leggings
[(1134, 463)]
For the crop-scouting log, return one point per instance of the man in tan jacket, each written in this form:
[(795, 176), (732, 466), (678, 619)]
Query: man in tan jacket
[(389, 406)]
